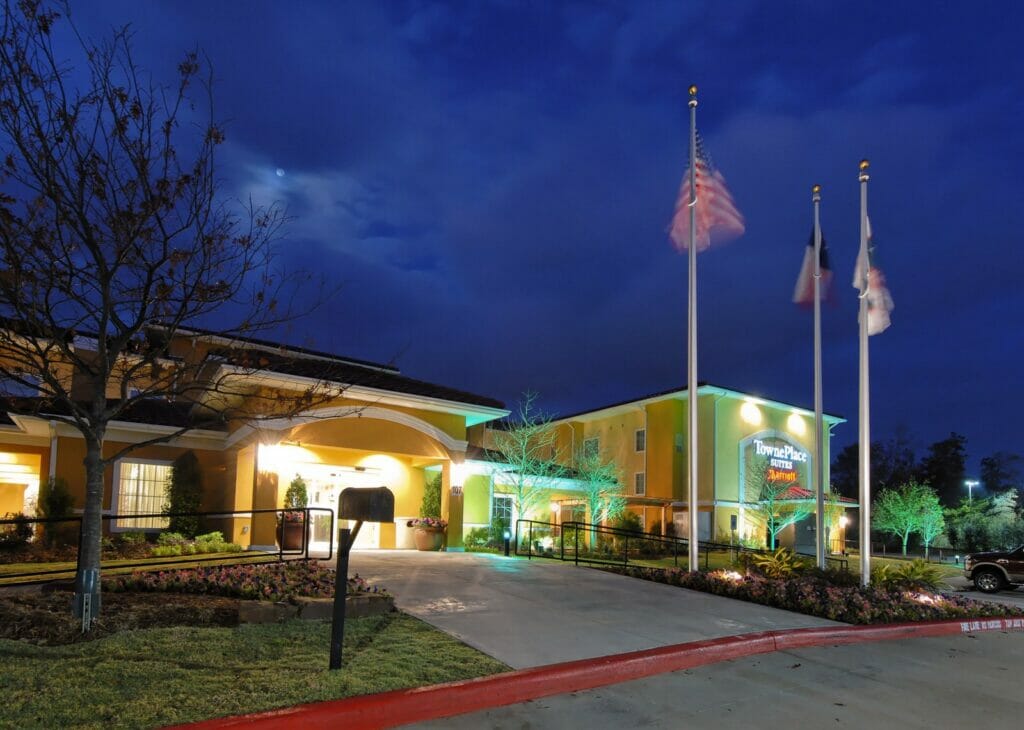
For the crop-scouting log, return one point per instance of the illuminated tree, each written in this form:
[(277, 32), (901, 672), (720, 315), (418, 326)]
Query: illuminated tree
[(601, 486), (771, 507), (912, 507), (528, 444), (113, 240)]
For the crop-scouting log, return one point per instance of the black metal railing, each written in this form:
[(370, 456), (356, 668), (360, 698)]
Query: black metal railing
[(587, 543), (124, 521)]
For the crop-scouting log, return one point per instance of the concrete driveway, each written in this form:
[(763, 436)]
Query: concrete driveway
[(528, 613)]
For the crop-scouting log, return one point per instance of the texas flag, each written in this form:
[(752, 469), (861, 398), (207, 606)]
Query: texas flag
[(870, 281), (803, 294)]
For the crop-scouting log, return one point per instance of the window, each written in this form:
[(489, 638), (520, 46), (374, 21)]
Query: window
[(139, 489), (640, 484), (501, 508), (641, 439), (591, 447)]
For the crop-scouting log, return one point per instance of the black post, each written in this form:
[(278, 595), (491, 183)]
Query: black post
[(340, 590)]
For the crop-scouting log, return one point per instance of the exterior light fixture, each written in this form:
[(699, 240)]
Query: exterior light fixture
[(750, 413), (796, 424), (844, 521), (971, 484)]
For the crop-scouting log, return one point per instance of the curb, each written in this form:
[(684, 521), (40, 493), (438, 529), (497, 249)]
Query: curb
[(398, 707)]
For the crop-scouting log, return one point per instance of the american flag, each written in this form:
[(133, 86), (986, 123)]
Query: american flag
[(803, 294), (718, 219), (870, 281)]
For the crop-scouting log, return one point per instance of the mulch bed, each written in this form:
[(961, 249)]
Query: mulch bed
[(45, 618)]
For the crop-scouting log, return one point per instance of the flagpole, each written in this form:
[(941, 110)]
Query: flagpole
[(691, 385), (864, 416), (819, 451)]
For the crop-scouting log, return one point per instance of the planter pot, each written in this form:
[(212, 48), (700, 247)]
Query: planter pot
[(291, 534), (428, 538)]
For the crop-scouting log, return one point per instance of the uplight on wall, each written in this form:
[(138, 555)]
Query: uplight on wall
[(750, 413), (796, 424)]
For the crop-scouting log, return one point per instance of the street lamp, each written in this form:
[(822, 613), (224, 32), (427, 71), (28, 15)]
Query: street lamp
[(971, 484)]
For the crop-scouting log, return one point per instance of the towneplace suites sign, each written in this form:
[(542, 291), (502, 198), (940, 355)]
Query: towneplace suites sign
[(786, 462)]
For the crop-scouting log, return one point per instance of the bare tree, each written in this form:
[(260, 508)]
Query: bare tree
[(602, 487), (528, 444), (773, 507), (114, 240)]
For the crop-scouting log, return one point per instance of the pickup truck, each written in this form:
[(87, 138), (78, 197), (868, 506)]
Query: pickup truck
[(994, 571)]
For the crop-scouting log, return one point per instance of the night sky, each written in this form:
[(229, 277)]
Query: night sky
[(490, 183)]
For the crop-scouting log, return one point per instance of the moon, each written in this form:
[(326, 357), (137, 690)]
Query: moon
[(280, 172)]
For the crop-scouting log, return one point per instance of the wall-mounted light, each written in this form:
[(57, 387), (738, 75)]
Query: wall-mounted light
[(844, 521), (459, 473), (750, 413), (796, 424)]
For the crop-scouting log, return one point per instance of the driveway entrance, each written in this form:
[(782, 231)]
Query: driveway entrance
[(526, 613)]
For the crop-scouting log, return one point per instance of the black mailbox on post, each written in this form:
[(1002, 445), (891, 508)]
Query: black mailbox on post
[(376, 504)]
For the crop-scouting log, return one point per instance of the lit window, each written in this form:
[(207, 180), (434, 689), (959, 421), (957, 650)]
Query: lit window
[(501, 508), (140, 489), (591, 447), (640, 484), (641, 439)]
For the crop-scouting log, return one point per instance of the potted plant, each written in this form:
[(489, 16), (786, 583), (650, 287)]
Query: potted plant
[(428, 532), (292, 527)]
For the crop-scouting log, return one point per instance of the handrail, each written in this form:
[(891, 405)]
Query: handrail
[(679, 545)]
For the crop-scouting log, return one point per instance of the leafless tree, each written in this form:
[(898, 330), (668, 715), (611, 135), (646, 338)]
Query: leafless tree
[(528, 444), (114, 240)]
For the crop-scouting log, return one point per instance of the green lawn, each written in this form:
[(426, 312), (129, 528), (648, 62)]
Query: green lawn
[(110, 567), (157, 677)]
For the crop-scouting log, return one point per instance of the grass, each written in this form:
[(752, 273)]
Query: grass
[(156, 677), (110, 567)]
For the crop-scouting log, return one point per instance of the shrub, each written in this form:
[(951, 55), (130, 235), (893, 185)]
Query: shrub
[(808, 594), (214, 537), (132, 538), (269, 582), (477, 537), (184, 493), (171, 538), (56, 502), (655, 527), (17, 535), (496, 534), (780, 564), (916, 574), (296, 497), (628, 521), (166, 551), (431, 504)]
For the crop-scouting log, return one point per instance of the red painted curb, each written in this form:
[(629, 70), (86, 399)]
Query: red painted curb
[(389, 709)]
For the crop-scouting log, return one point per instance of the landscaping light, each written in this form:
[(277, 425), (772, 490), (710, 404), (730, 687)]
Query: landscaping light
[(508, 534)]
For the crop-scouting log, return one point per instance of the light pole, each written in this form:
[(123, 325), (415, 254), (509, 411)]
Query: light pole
[(971, 484)]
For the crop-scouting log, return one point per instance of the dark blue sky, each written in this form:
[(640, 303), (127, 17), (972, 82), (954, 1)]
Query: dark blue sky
[(490, 183)]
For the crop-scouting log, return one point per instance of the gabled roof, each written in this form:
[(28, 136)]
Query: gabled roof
[(680, 392), (150, 411), (349, 373)]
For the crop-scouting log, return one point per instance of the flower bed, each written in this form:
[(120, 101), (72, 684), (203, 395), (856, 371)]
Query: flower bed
[(267, 581), (817, 597)]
